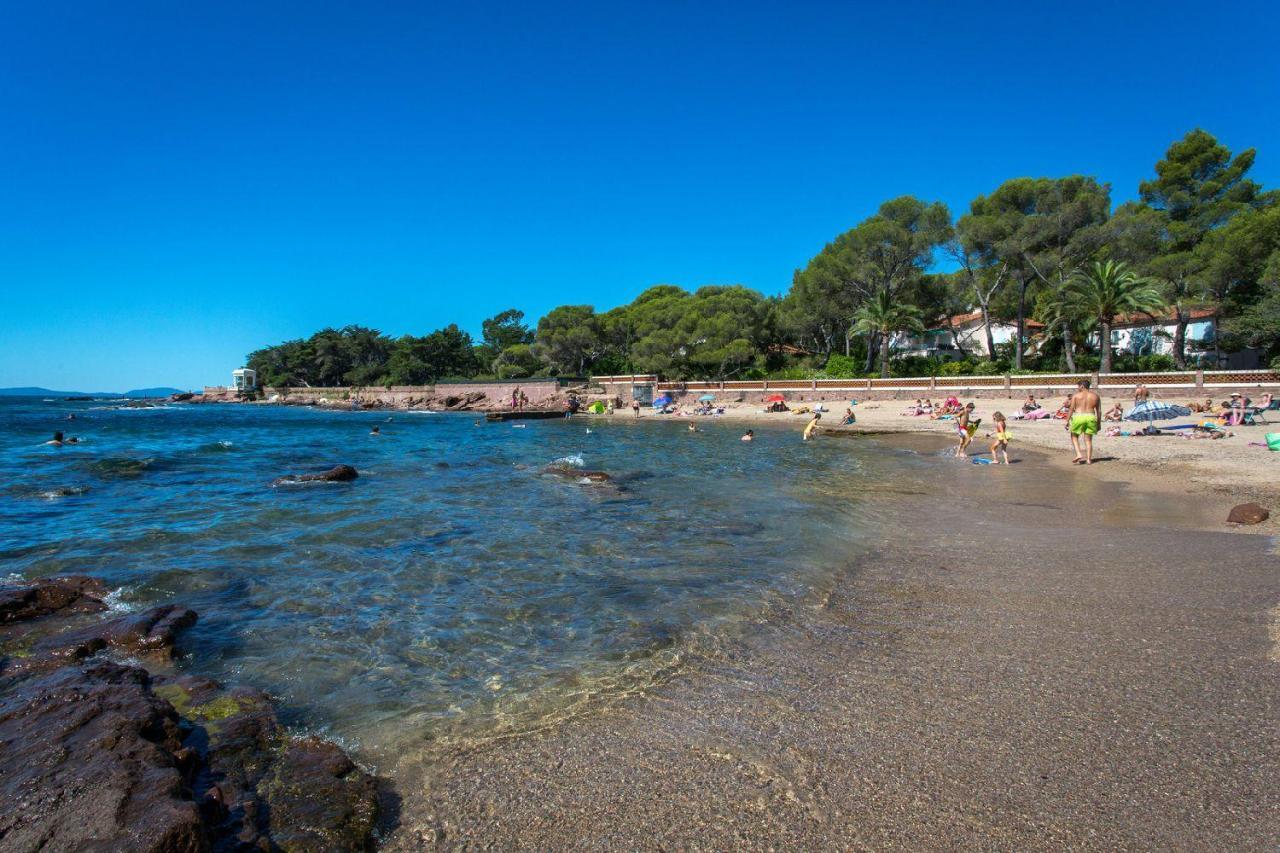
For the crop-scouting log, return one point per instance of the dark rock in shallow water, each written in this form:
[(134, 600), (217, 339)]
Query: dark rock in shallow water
[(97, 755), (1249, 513), (336, 474), (89, 764), (70, 593), (571, 473), (319, 799), (151, 632)]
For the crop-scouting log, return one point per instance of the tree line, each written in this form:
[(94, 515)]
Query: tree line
[(1201, 234)]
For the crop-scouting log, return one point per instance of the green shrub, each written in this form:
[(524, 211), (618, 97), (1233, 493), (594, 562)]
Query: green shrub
[(1155, 362), (1275, 363), (991, 368), (964, 367), (841, 367)]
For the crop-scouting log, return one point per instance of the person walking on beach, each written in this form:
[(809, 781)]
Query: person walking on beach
[(812, 425), (1000, 447), (635, 407), (1084, 414), (966, 427)]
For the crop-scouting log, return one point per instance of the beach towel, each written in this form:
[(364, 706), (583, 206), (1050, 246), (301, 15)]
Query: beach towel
[(1273, 440)]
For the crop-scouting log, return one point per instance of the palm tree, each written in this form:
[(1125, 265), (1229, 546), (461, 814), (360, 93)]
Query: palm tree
[(1061, 315), (882, 316), (1106, 290)]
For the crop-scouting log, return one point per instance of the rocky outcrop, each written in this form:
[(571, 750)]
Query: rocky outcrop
[(70, 593), (1249, 513), (92, 760), (99, 755), (336, 474)]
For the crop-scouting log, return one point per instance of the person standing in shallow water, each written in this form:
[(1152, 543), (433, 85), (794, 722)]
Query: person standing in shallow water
[(1084, 414), (812, 426)]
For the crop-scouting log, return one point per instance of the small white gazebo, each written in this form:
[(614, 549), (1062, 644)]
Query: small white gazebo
[(244, 379)]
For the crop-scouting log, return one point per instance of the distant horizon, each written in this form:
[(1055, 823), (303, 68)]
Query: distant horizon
[(186, 186)]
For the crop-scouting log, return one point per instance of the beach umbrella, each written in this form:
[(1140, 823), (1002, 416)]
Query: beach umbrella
[(775, 398), (1153, 410), (707, 398), (664, 400)]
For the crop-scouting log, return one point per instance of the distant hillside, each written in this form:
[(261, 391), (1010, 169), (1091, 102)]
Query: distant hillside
[(31, 391), (151, 392)]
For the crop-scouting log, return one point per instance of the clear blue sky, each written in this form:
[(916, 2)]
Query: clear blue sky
[(183, 182)]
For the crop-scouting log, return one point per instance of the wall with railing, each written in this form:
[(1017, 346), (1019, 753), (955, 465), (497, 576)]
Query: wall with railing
[(1186, 381)]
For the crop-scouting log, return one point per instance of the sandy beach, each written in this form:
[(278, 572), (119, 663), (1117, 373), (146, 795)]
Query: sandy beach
[(1037, 657), (1230, 467)]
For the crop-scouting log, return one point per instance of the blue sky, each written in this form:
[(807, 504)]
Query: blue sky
[(183, 182)]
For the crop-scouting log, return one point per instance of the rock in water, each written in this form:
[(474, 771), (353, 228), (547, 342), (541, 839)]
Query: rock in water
[(318, 799), (1249, 513), (89, 764), (95, 755), (336, 474), (70, 593)]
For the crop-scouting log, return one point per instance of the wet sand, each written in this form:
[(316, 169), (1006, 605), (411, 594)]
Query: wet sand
[(1091, 666)]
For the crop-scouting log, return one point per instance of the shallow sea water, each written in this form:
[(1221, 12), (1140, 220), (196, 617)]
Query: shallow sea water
[(456, 590)]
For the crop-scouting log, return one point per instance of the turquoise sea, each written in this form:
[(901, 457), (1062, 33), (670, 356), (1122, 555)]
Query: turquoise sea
[(456, 589)]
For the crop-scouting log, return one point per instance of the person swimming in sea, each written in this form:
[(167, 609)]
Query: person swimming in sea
[(693, 427), (375, 431), (59, 439), (749, 435)]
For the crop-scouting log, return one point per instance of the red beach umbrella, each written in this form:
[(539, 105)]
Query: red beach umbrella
[(775, 398)]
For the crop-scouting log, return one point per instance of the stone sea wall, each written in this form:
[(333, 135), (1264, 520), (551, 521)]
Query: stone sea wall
[(479, 396)]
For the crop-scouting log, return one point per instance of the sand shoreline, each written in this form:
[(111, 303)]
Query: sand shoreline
[(1229, 467), (1118, 690)]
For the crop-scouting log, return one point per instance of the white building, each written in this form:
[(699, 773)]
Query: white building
[(244, 379), (1142, 334), (964, 329)]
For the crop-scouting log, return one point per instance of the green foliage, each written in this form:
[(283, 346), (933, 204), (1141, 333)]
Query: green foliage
[(1202, 234), (516, 361), (883, 316), (840, 367), (1106, 290), (963, 367)]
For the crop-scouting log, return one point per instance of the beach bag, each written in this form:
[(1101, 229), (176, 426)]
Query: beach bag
[(1273, 441)]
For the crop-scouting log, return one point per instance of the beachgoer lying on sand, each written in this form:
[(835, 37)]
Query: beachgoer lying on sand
[(1206, 406), (1115, 413), (913, 411)]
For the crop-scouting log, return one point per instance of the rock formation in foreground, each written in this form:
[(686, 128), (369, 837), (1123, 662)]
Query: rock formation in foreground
[(102, 755)]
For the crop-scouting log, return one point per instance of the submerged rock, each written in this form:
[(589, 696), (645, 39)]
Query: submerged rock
[(1250, 513), (336, 474), (569, 472), (319, 799)]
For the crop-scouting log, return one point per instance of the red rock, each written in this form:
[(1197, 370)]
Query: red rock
[(1250, 513)]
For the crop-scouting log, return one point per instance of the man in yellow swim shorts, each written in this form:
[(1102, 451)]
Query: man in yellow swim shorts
[(1084, 415)]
